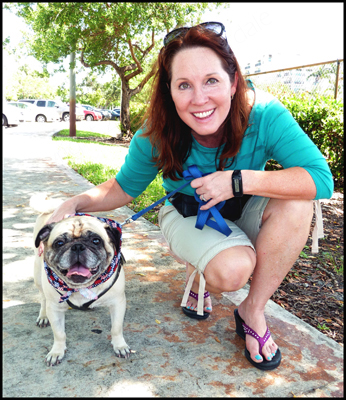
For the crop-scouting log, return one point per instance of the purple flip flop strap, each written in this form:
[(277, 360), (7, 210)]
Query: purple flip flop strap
[(195, 295), (261, 340)]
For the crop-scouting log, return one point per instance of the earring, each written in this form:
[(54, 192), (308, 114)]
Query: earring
[(232, 96)]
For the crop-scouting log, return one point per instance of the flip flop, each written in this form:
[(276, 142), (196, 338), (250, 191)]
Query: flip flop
[(242, 329), (192, 313)]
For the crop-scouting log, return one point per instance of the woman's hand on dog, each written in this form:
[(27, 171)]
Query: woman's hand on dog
[(62, 212)]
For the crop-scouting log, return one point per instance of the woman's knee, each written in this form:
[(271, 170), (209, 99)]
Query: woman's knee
[(289, 210), (230, 270)]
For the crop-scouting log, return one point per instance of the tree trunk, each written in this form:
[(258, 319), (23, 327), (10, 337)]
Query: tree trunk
[(125, 108)]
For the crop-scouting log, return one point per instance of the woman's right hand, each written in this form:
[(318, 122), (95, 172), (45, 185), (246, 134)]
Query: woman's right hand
[(60, 213)]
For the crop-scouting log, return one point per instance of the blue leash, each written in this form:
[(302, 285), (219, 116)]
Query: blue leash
[(203, 216)]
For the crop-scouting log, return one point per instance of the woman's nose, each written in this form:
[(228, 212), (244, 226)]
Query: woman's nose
[(199, 96)]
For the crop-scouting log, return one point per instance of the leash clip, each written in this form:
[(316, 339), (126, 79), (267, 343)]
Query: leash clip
[(127, 221)]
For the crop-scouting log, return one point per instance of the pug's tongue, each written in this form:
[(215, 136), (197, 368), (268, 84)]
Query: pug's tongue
[(79, 269)]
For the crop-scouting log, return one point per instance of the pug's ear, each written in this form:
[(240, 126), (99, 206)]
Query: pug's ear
[(114, 236), (43, 235)]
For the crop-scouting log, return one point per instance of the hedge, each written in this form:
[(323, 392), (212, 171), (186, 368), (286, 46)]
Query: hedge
[(321, 118)]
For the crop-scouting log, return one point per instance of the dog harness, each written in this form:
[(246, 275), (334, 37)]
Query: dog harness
[(114, 268)]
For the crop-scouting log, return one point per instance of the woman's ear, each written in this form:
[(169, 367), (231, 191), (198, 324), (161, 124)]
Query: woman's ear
[(234, 84)]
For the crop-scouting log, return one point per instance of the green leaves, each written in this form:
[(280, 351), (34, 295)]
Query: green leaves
[(321, 118)]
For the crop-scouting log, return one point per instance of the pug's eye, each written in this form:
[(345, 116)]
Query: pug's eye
[(59, 243), (96, 241)]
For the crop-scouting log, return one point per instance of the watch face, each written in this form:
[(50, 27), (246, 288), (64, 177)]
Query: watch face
[(236, 185)]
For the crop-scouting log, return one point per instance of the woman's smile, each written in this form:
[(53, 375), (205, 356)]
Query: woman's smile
[(203, 115)]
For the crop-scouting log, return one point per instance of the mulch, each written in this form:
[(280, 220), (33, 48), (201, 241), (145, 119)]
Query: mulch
[(313, 290)]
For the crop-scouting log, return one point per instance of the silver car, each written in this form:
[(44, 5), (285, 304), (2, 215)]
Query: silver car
[(65, 112)]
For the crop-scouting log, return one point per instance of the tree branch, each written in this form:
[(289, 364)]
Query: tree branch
[(144, 53), (104, 62), (151, 46), (134, 56), (145, 79)]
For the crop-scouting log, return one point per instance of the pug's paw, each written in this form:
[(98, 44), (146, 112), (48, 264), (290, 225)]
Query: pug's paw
[(122, 351), (42, 322), (54, 357)]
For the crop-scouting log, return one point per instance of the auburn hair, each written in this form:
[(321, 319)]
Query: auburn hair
[(170, 137)]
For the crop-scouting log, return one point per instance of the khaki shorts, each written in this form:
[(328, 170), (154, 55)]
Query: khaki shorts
[(199, 247)]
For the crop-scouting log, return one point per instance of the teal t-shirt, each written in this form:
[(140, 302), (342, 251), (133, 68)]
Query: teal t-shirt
[(272, 133)]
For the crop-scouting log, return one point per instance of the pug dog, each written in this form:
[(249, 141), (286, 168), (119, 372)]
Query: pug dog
[(81, 267)]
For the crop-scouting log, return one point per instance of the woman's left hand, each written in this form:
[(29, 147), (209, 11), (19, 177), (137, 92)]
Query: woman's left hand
[(215, 187)]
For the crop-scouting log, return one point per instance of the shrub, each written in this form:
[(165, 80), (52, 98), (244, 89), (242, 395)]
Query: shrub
[(321, 118)]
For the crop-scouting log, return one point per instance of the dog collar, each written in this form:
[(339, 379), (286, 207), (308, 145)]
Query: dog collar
[(59, 284)]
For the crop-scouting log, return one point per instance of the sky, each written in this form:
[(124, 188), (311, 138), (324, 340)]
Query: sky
[(294, 34)]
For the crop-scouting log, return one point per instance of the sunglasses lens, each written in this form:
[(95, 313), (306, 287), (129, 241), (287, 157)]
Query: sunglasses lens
[(174, 34), (216, 27)]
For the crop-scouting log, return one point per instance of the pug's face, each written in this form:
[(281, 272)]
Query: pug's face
[(79, 249)]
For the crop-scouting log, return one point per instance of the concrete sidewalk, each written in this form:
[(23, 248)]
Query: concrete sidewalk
[(175, 356)]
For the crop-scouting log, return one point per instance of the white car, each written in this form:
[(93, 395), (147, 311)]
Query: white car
[(47, 109), (10, 115), (29, 111)]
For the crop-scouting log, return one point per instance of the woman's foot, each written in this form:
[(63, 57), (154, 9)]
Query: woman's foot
[(256, 321), (191, 303)]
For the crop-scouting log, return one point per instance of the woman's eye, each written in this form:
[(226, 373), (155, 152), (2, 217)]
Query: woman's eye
[(184, 86), (212, 80)]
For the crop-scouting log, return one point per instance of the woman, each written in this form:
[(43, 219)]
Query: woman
[(203, 113)]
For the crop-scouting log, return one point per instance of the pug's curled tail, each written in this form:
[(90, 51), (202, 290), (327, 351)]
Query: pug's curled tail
[(43, 204)]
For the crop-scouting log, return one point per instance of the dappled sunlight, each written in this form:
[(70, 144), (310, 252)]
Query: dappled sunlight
[(19, 270), (132, 388), (11, 303)]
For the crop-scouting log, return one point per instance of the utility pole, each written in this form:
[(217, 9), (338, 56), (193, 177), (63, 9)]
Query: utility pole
[(72, 95)]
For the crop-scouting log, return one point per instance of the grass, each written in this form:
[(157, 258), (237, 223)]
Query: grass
[(97, 166)]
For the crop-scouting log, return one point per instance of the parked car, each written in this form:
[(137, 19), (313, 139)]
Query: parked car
[(114, 115), (65, 112), (117, 111), (11, 115), (48, 109), (105, 113), (29, 111), (97, 116), (89, 115)]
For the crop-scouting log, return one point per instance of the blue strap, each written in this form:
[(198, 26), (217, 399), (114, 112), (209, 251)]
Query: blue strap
[(203, 216)]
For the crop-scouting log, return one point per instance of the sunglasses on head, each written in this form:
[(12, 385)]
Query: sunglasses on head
[(217, 27)]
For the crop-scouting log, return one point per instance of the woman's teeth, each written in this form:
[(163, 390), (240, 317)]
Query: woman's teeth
[(203, 114)]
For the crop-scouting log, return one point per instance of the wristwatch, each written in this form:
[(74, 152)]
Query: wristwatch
[(237, 183)]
